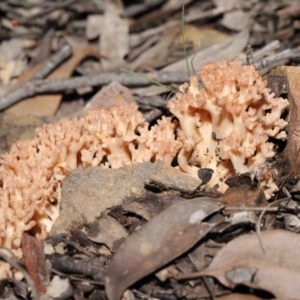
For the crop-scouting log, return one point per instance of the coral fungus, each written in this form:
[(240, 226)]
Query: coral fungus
[(225, 127), (31, 174)]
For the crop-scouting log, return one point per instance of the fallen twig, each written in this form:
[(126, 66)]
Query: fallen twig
[(238, 208), (136, 9), (48, 10), (37, 87), (258, 223), (260, 53), (285, 54), (55, 61)]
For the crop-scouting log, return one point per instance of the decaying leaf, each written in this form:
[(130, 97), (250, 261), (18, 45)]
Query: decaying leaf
[(235, 19), (151, 204), (230, 48), (108, 231), (242, 261), (158, 54), (200, 37), (114, 41), (35, 261), (93, 26), (158, 242), (283, 283), (12, 60), (281, 247), (250, 195)]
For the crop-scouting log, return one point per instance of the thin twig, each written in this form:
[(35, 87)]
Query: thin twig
[(285, 54), (209, 287), (249, 55), (183, 41), (77, 278), (260, 218), (42, 13), (260, 53), (136, 9), (55, 61), (236, 208), (143, 295)]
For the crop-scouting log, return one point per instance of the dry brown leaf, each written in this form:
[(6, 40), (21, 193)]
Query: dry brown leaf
[(108, 231), (200, 37), (230, 48), (157, 55), (239, 297), (158, 242), (12, 60), (110, 95), (236, 20), (151, 204), (283, 283), (172, 5), (281, 248), (93, 26), (35, 261), (114, 40), (242, 261), (46, 105), (228, 3), (233, 196)]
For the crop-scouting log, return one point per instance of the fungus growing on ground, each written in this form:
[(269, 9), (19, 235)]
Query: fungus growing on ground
[(225, 127), (224, 130), (31, 174)]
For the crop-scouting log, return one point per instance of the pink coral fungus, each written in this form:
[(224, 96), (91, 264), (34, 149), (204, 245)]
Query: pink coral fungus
[(224, 130), (31, 173), (225, 126)]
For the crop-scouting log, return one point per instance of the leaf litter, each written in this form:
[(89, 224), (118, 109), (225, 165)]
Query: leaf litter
[(165, 237), (242, 262)]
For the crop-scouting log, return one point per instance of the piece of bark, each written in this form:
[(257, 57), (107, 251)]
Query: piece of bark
[(284, 79)]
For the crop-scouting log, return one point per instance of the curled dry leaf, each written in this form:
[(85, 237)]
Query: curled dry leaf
[(158, 242), (283, 283), (35, 262), (242, 261)]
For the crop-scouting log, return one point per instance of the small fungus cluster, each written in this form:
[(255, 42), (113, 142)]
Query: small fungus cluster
[(223, 127)]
